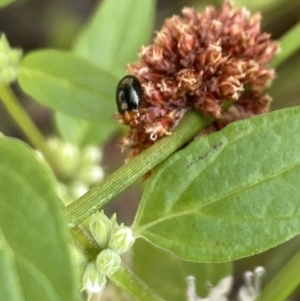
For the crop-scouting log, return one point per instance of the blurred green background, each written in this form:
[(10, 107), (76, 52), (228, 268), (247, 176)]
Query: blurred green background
[(35, 24)]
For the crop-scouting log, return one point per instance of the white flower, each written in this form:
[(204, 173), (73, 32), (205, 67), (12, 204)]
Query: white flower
[(217, 293), (251, 290), (93, 286)]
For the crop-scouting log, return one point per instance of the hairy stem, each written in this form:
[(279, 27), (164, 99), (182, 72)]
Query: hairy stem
[(125, 279), (113, 184)]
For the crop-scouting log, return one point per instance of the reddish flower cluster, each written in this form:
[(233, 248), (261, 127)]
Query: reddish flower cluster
[(201, 60)]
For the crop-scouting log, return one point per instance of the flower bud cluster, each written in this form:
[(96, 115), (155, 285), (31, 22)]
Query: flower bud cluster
[(113, 239), (80, 168), (108, 234), (9, 61), (201, 60), (96, 272)]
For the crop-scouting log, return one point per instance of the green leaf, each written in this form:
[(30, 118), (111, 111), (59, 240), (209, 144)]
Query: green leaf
[(227, 195), (115, 33), (109, 45), (9, 286), (33, 236), (167, 273), (5, 3), (83, 132), (62, 81)]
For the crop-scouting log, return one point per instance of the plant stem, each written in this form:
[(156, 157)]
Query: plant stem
[(117, 181), (125, 279), (284, 283), (82, 239), (289, 44), (25, 123)]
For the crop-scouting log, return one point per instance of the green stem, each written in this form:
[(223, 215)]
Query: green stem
[(284, 283), (83, 240), (113, 184), (125, 279), (289, 44), (25, 123)]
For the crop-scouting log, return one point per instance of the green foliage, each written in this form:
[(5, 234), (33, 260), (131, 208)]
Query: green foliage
[(34, 256), (101, 43), (227, 195), (69, 84), (83, 132), (115, 33), (230, 194), (5, 2)]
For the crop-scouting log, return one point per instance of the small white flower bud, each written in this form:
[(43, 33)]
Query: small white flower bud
[(91, 155), (67, 155), (191, 288), (251, 290), (121, 239), (108, 262), (93, 280), (91, 174), (258, 274), (100, 227), (78, 189)]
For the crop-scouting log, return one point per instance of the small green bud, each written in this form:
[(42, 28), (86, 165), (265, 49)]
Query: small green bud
[(14, 56), (121, 239), (100, 227), (113, 221), (8, 75), (9, 61), (93, 280), (108, 262), (3, 59), (4, 45)]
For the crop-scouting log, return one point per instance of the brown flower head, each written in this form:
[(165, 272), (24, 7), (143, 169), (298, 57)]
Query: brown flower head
[(201, 60)]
